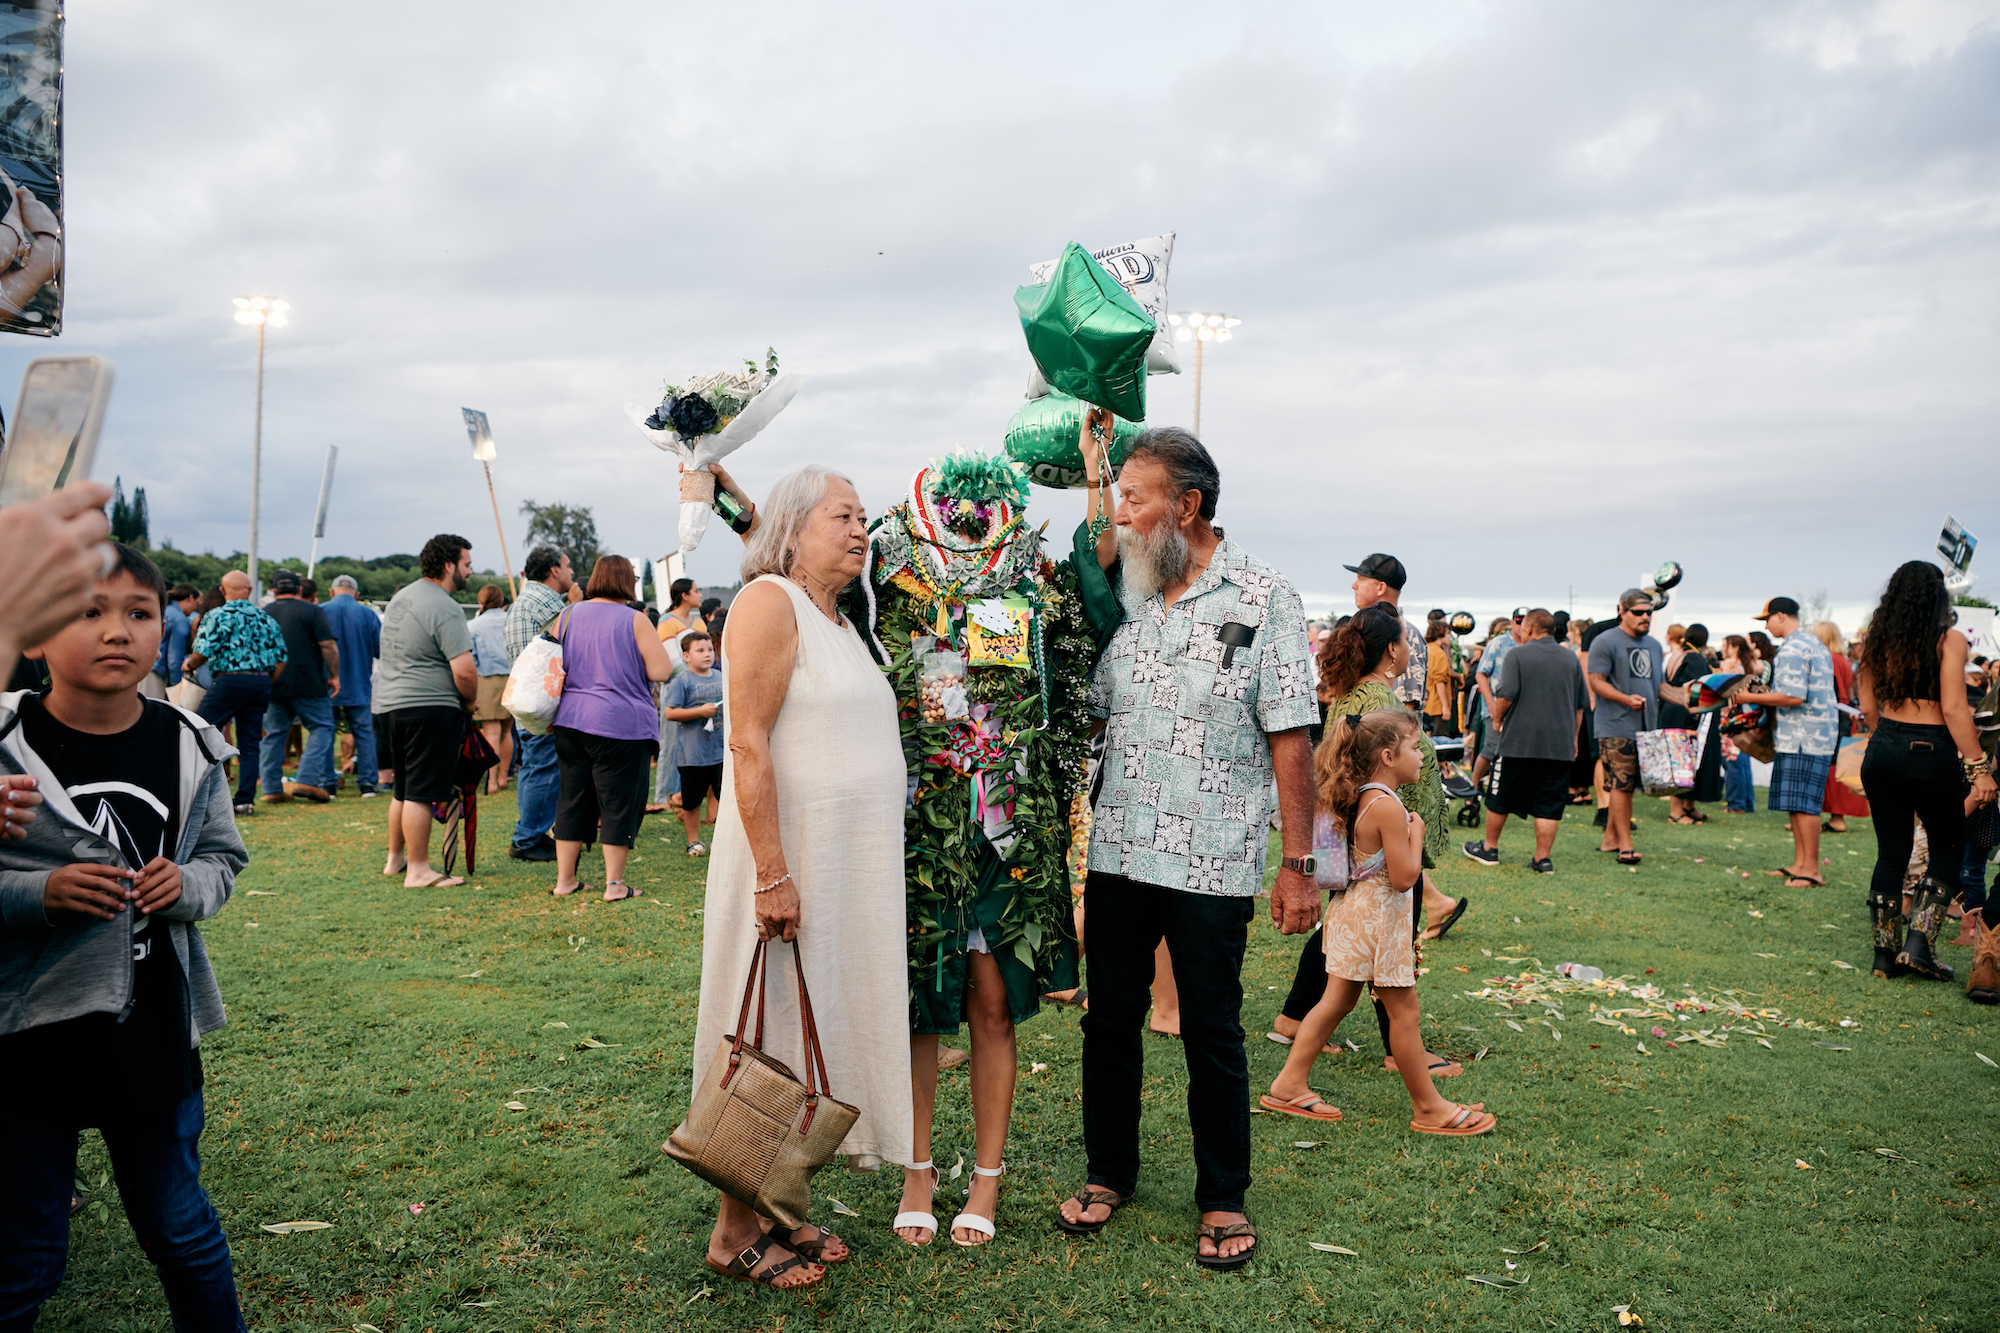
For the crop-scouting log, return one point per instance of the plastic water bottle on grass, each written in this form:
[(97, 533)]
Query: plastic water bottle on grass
[(1578, 972)]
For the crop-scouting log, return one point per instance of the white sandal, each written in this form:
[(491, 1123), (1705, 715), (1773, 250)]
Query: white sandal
[(924, 1220), (973, 1222)]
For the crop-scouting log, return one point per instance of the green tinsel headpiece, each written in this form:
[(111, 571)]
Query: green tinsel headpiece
[(980, 477)]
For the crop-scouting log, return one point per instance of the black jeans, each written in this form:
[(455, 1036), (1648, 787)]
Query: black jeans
[(1205, 936), (1911, 772)]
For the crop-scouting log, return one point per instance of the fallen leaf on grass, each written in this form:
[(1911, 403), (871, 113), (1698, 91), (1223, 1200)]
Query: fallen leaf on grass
[(1845, 967), (705, 1291), (1626, 1318), (1829, 1046), (1983, 1060), (1456, 968), (1331, 1249), (1498, 1279), (1538, 1245), (1755, 912), (1767, 955), (478, 1305), (287, 1228), (841, 1208), (547, 1026), (1765, 1044), (1038, 1068), (416, 1210), (1643, 1050), (593, 1044), (1307, 1143), (1481, 1056), (1512, 1024), (1802, 1164), (1891, 1154), (366, 1328), (957, 1168), (480, 973), (262, 893), (514, 1106), (1258, 1110)]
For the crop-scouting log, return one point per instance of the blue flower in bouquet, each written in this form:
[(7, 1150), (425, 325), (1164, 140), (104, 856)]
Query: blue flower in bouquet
[(691, 415)]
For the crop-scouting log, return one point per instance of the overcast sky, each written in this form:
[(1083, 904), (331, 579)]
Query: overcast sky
[(1535, 295)]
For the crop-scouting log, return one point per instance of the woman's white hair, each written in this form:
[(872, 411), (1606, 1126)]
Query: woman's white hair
[(773, 547)]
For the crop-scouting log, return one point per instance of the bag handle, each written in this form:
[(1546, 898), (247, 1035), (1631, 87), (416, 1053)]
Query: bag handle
[(817, 1083)]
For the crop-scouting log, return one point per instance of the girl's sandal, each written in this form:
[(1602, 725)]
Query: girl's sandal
[(1464, 1121), (972, 1221), (918, 1221), (1220, 1234), (630, 892), (1092, 1196), (1628, 858), (1307, 1107), (561, 892), (743, 1267)]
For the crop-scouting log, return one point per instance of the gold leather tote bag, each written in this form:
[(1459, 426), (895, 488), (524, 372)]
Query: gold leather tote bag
[(755, 1131)]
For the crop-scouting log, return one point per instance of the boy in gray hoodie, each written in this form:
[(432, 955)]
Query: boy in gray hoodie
[(105, 988)]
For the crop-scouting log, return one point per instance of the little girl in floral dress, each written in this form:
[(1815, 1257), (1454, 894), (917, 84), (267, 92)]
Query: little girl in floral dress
[(1368, 939)]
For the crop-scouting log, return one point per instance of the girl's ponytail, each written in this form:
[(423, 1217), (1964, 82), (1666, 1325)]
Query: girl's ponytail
[(1346, 757)]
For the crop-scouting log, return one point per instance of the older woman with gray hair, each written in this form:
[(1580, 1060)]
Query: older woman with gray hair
[(815, 863)]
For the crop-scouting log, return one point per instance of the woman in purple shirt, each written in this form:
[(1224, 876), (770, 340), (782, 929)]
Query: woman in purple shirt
[(606, 728)]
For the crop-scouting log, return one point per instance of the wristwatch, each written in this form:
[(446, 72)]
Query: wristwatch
[(1305, 865)]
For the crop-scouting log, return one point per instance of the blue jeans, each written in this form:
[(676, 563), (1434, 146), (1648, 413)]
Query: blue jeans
[(539, 787), (361, 725), (315, 714), (241, 697), (1972, 877), (1739, 791), (154, 1162)]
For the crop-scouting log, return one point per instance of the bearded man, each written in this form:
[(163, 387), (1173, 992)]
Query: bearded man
[(1207, 690)]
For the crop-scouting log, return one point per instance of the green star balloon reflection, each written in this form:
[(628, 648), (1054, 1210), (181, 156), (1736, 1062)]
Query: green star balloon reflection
[(1042, 438), (1088, 337)]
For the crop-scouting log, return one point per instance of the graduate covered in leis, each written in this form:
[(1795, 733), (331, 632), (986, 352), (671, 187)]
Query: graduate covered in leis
[(990, 649)]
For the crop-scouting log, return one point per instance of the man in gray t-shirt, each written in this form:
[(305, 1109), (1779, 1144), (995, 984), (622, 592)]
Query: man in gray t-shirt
[(1626, 664), (422, 686)]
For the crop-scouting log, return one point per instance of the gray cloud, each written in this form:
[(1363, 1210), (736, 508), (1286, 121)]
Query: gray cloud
[(1535, 294)]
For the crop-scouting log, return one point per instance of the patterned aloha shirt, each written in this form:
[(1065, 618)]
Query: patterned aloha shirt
[(1804, 670), (237, 636), (1185, 802)]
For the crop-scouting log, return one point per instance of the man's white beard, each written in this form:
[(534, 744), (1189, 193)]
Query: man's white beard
[(1152, 561)]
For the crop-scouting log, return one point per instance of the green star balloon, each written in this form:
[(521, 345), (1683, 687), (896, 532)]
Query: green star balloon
[(1087, 335), (1042, 438)]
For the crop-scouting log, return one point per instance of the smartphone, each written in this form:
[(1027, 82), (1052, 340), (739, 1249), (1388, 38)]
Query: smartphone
[(53, 438)]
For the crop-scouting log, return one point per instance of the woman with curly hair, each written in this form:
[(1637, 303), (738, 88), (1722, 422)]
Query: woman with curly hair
[(1923, 761), (1356, 667)]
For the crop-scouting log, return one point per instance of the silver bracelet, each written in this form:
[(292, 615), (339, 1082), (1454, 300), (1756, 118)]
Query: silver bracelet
[(776, 882)]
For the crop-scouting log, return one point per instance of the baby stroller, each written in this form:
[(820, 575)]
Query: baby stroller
[(1458, 787)]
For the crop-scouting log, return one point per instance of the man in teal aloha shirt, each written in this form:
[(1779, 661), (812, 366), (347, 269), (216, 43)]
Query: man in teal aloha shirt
[(1207, 691)]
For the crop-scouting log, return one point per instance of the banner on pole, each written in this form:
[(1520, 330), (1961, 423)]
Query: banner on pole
[(481, 434), (1955, 544), (31, 167), (325, 491)]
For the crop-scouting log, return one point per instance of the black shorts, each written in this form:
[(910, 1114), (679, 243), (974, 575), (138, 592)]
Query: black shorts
[(1536, 788), (605, 785), (699, 781), (421, 745)]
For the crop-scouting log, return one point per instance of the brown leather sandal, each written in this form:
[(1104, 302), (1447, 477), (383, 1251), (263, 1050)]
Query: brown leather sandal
[(743, 1267), (1092, 1196), (814, 1250)]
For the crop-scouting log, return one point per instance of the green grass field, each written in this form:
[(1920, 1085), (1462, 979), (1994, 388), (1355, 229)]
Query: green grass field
[(378, 1033)]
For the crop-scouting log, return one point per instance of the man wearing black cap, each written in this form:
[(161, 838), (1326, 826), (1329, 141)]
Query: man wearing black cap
[(301, 692), (1379, 579), (1805, 733)]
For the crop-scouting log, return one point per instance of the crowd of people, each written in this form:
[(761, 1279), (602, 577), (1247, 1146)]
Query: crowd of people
[(1219, 712)]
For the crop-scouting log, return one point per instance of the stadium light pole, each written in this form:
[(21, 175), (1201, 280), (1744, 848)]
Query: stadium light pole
[(264, 312), (1201, 329)]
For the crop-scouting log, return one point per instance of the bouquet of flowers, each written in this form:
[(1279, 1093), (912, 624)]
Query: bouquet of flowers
[(707, 418)]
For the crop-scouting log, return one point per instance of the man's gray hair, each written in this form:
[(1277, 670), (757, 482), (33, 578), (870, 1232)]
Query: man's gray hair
[(1187, 464), (783, 517), (345, 581)]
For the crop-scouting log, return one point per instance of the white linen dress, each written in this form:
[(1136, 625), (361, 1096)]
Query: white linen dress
[(837, 752)]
